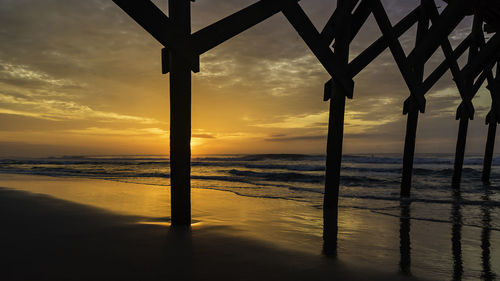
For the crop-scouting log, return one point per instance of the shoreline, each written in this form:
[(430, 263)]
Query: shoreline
[(45, 238), (368, 241)]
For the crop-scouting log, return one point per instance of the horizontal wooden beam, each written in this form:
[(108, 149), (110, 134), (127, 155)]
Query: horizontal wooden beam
[(223, 30)]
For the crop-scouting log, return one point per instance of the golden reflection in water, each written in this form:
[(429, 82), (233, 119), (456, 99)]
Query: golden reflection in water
[(486, 273), (365, 237), (287, 223), (456, 236), (404, 239)]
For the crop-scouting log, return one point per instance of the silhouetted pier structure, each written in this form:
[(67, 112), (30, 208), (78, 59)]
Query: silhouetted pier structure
[(183, 48)]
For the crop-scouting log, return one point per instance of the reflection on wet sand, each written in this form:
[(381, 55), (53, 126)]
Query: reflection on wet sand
[(404, 239), (330, 229), (486, 273), (457, 223), (456, 236), (178, 249)]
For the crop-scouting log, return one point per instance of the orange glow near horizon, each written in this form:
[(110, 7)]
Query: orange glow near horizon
[(93, 85)]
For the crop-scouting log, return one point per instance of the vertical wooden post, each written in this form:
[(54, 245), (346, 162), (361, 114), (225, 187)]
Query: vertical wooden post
[(465, 111), (180, 119), (491, 120), (490, 144), (333, 165), (337, 97), (460, 150), (409, 151), (412, 109)]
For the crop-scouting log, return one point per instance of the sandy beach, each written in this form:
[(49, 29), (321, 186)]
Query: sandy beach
[(87, 229), (249, 140), (49, 238)]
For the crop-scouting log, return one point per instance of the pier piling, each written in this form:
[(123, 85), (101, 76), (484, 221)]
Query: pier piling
[(180, 119), (488, 154), (491, 121), (460, 150), (333, 165), (409, 152), (182, 49), (337, 95)]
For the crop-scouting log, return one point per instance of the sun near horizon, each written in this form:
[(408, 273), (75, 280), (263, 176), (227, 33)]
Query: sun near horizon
[(90, 82)]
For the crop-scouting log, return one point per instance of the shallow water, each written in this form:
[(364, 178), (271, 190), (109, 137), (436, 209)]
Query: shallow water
[(371, 180), (437, 234)]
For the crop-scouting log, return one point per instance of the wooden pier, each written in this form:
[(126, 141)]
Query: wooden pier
[(182, 50)]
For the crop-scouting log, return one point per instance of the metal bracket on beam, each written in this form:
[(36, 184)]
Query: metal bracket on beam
[(465, 110), (165, 62), (331, 88), (411, 104)]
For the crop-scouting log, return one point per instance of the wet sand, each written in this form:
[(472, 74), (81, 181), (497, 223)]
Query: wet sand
[(101, 228), (44, 238)]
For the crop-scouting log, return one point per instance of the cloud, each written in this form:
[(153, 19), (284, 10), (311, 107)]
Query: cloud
[(203, 136), (91, 68), (297, 138), (296, 122), (15, 74), (356, 122), (57, 110), (99, 131)]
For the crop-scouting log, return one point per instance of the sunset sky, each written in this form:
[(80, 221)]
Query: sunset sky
[(81, 77)]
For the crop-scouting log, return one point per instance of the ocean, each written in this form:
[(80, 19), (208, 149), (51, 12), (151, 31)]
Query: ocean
[(371, 181), (437, 233)]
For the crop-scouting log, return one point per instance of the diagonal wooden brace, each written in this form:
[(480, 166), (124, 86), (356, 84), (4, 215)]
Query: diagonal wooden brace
[(375, 49), (448, 20), (228, 27), (303, 25), (359, 17), (398, 53), (433, 13), (328, 32), (156, 23), (490, 52)]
